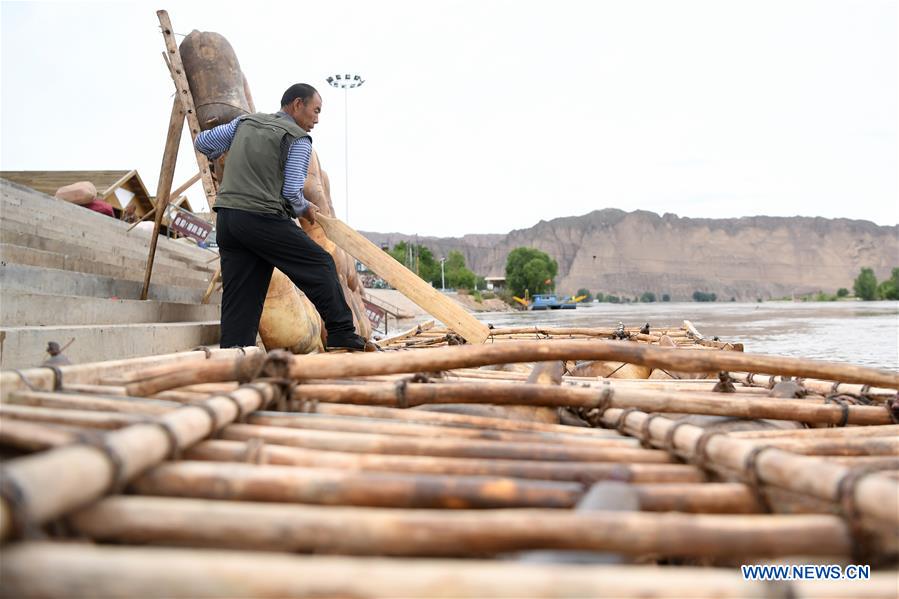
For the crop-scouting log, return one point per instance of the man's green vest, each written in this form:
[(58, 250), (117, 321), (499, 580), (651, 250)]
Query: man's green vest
[(254, 169)]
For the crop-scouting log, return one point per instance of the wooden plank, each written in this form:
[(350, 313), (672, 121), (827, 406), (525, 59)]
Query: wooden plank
[(381, 263), (166, 174), (216, 277), (121, 181), (49, 181), (183, 91)]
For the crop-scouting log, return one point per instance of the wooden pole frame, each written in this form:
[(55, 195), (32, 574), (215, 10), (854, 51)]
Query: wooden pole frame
[(184, 105)]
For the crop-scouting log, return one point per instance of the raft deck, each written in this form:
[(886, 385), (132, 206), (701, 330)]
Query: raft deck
[(238, 473)]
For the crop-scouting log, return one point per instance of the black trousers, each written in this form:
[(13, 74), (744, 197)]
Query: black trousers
[(250, 244)]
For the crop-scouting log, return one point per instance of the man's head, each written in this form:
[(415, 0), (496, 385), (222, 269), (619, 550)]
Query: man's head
[(303, 104)]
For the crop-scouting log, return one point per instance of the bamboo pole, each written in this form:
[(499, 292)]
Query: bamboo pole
[(716, 404), (414, 331), (326, 486), (705, 498), (446, 358), (875, 496), (865, 446), (30, 436), (352, 424), (87, 418), (54, 482), (822, 433), (585, 472), (823, 387), (86, 401), (391, 444), (456, 420), (43, 378), (116, 390), (438, 533), (114, 413), (42, 569)]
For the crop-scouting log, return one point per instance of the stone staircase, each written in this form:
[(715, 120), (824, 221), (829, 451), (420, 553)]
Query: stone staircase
[(69, 273)]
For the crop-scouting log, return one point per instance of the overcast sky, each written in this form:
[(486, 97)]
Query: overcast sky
[(487, 116)]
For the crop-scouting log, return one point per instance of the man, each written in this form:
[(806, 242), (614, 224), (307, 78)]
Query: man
[(56, 356), (261, 192)]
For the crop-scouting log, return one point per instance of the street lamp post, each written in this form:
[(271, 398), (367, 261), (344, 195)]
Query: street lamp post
[(346, 82)]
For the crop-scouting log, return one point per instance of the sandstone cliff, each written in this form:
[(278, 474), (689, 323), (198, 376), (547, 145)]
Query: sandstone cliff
[(627, 253)]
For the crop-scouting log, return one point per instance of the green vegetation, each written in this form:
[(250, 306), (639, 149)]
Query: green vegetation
[(457, 275), (419, 259), (648, 297), (666, 297), (584, 291), (889, 289), (702, 296), (531, 269), (865, 285), (867, 288), (842, 292)]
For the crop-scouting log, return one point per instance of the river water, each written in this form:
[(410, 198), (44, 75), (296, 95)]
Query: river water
[(857, 332)]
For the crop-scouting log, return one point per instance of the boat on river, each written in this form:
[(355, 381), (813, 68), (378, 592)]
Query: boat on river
[(545, 301)]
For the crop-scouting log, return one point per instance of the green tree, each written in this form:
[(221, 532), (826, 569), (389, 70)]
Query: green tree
[(648, 297), (701, 296), (865, 285), (584, 291), (666, 297), (842, 292), (457, 275), (531, 269), (889, 289), (419, 259)]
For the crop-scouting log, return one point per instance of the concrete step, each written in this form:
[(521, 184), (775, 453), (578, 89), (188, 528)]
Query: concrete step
[(14, 254), (41, 280), (107, 236), (18, 309), (23, 347), (22, 203), (130, 261)]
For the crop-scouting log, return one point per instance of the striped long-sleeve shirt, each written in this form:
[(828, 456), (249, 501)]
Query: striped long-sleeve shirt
[(216, 141)]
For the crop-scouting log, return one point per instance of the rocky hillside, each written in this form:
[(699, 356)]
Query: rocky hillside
[(627, 253)]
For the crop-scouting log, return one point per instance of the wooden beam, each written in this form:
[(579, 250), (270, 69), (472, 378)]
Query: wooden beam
[(212, 282), (176, 68), (183, 187), (111, 189), (166, 174), (412, 286), (174, 194)]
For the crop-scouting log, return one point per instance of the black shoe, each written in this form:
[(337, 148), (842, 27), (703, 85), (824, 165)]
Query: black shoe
[(348, 341)]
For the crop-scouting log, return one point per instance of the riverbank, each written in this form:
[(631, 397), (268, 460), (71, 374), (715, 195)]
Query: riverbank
[(857, 332), (411, 310)]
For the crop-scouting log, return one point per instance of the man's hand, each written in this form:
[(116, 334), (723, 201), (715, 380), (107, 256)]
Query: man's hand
[(309, 213)]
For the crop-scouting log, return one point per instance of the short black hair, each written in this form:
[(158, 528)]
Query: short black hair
[(303, 91)]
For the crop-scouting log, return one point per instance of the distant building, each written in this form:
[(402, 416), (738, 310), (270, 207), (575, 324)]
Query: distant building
[(495, 283)]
